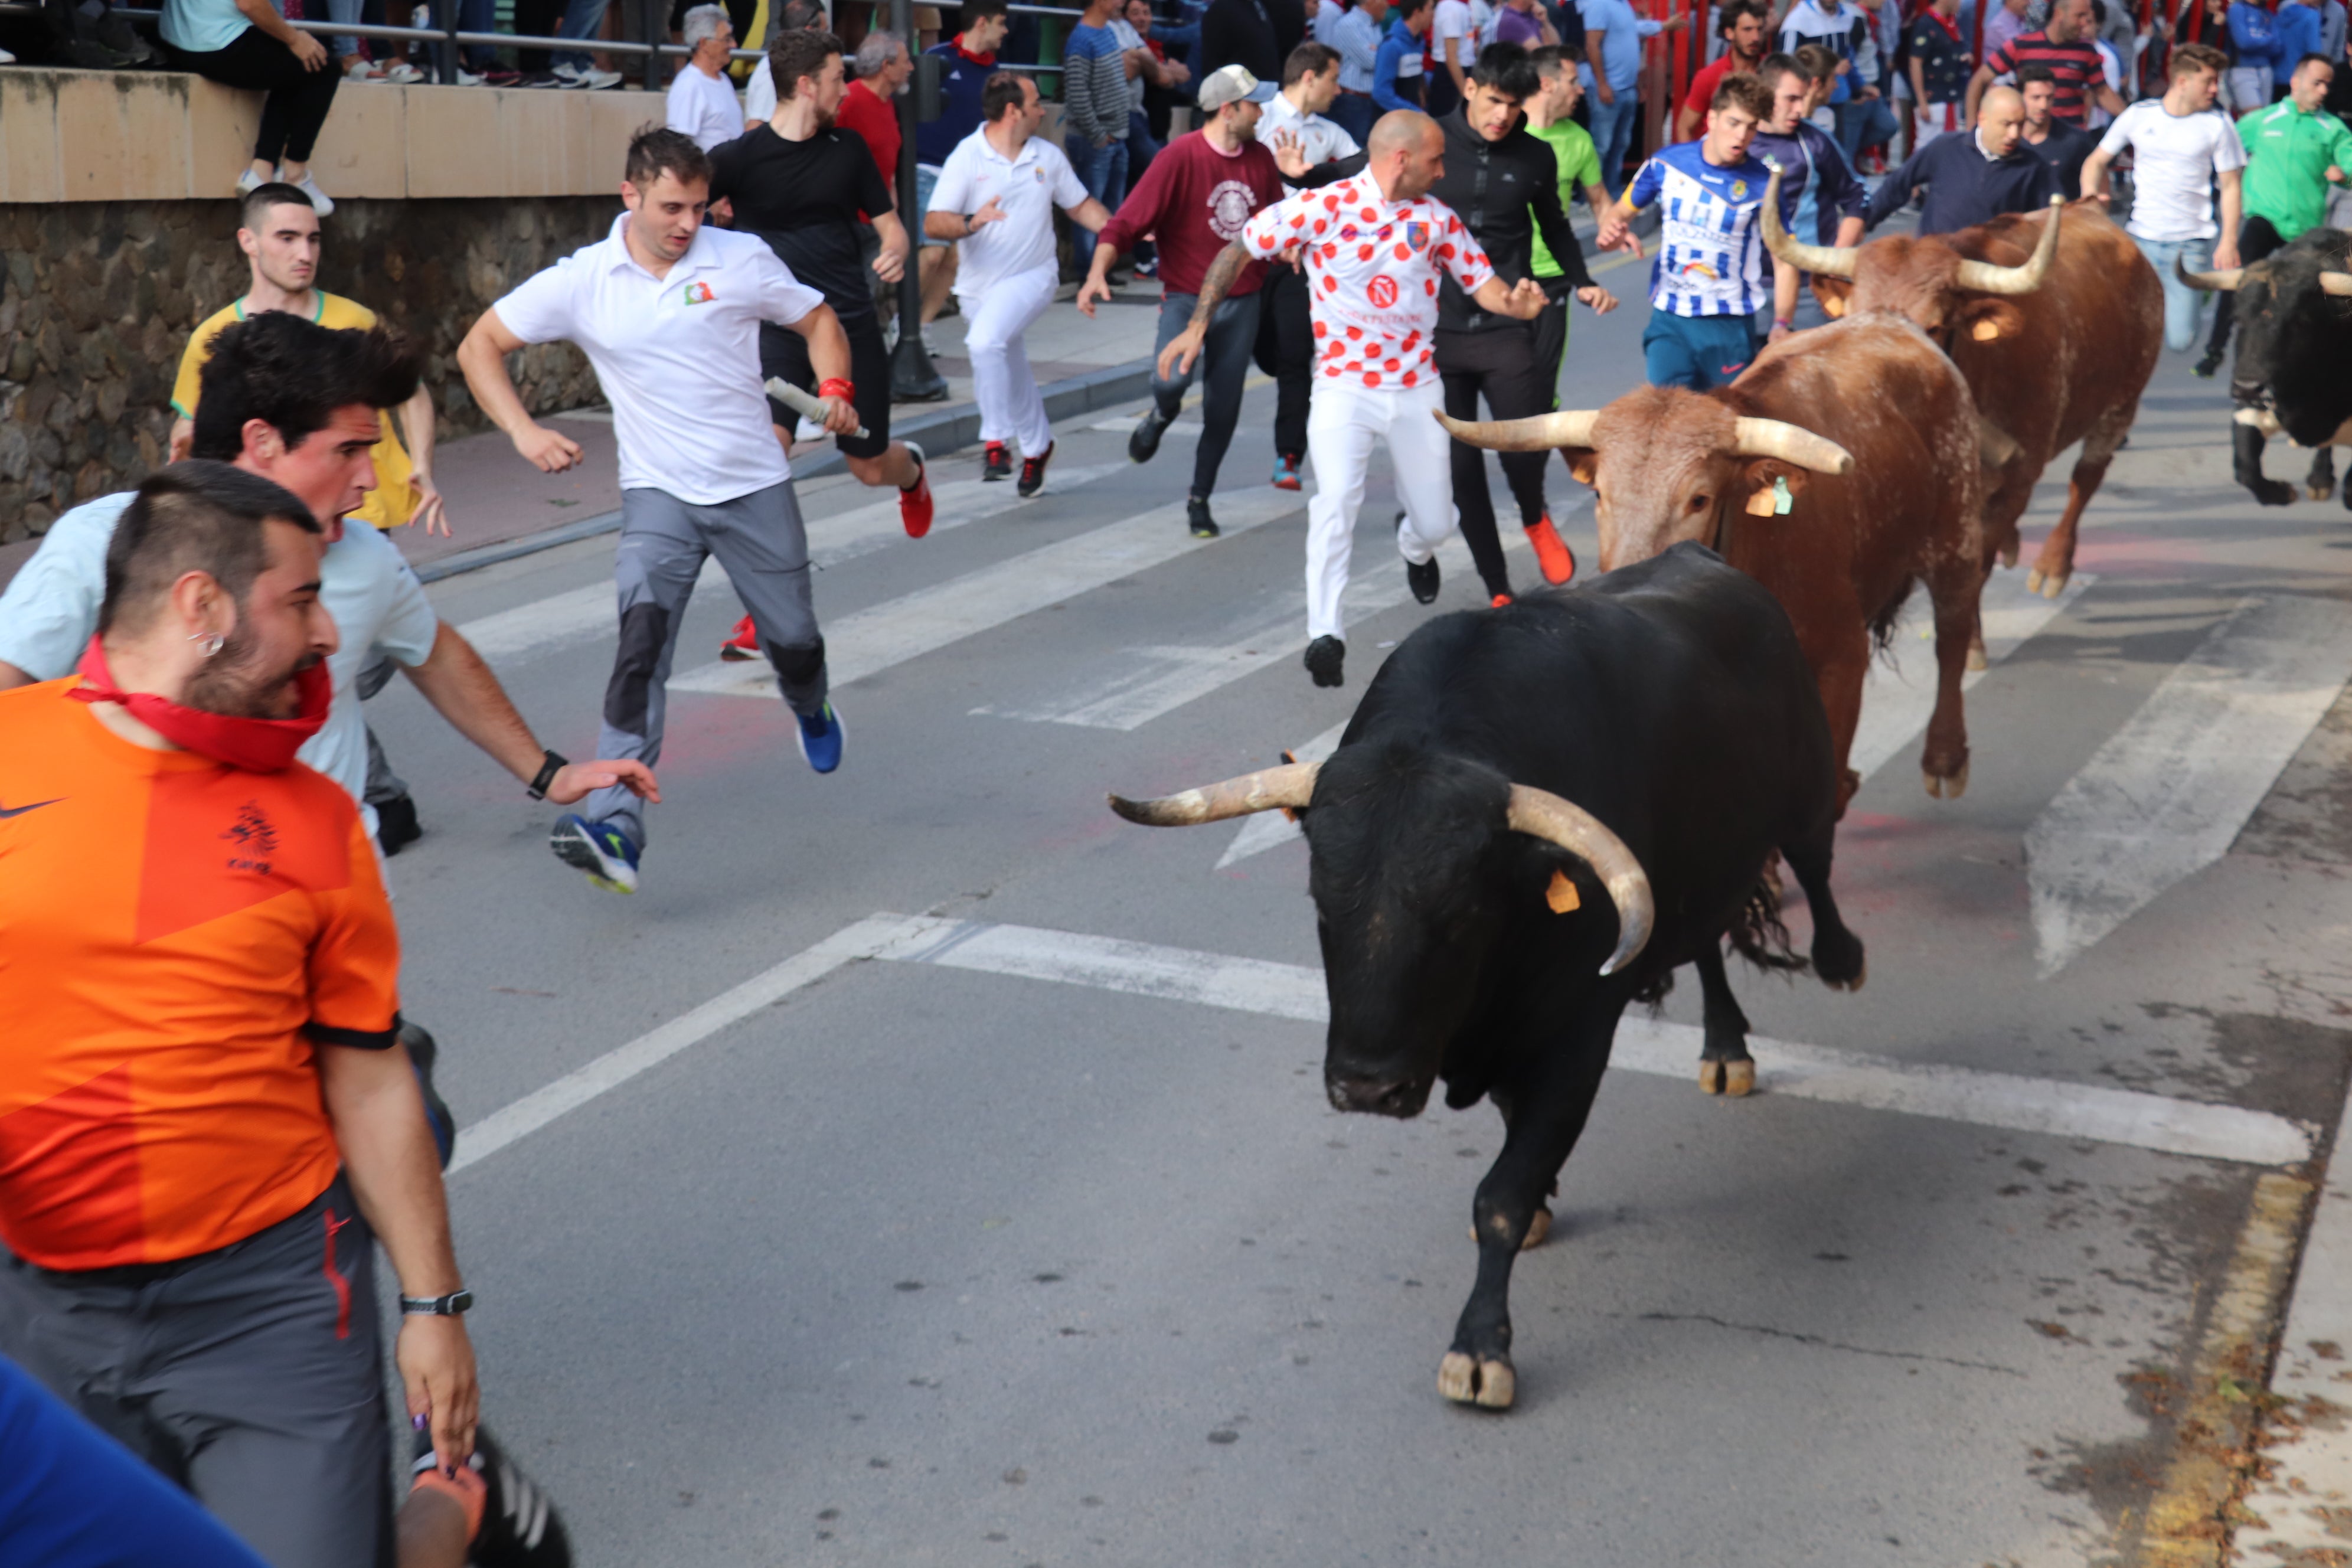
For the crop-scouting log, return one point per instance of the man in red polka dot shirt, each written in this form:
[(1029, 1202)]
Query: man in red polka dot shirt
[(1372, 247)]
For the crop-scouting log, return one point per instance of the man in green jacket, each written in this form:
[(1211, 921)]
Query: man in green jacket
[(2295, 149)]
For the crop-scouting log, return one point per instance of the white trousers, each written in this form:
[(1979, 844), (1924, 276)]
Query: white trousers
[(1345, 425), (1935, 120), (1012, 409)]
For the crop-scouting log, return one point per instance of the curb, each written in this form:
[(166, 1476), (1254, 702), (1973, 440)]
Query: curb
[(945, 430)]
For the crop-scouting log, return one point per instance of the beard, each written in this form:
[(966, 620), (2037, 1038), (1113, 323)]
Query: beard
[(235, 684), (827, 117)]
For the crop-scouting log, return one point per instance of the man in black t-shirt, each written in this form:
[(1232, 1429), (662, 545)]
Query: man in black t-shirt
[(2061, 146), (802, 185)]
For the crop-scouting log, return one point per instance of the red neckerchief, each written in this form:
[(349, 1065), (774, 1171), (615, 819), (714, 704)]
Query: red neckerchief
[(253, 745), (987, 59), (1951, 27)]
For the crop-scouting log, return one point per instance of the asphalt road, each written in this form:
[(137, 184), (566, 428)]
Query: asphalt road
[(1022, 1232)]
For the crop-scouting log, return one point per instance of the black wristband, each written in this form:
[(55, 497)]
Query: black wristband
[(555, 763), (455, 1304)]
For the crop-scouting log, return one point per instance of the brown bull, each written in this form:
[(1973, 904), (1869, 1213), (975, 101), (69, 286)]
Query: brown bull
[(2055, 325), (1837, 530)]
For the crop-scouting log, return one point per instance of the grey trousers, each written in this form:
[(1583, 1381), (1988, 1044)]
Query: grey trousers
[(760, 540), (252, 1376)]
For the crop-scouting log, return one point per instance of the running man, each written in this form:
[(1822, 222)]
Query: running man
[(1820, 201), (1194, 199), (1550, 119), (801, 184), (1707, 282), (2181, 147), (1374, 247), (668, 310), (995, 196)]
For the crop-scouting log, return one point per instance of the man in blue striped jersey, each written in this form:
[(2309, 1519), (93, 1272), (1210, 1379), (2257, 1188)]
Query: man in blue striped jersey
[(1707, 282)]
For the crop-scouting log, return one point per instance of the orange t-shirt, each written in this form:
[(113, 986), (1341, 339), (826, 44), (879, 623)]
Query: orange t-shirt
[(175, 934)]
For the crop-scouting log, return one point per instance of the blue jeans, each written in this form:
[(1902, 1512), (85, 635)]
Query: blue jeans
[(1612, 135), (1354, 112), (1859, 122), (584, 19), (1102, 172), (2183, 306), (1224, 363)]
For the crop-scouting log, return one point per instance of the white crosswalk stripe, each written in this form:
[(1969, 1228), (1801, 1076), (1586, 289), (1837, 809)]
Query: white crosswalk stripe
[(2169, 792)]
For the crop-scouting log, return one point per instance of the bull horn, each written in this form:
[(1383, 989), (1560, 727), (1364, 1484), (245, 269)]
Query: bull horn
[(2211, 282), (1792, 444), (1536, 433), (1542, 814), (1987, 278), (1284, 788), (1829, 260), (2337, 283)]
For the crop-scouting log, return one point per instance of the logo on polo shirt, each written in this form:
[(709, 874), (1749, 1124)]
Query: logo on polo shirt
[(1416, 237), (1381, 291), (698, 294)]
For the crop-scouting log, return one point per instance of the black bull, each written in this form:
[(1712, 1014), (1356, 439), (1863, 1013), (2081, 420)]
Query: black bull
[(1536, 814), (2293, 312)]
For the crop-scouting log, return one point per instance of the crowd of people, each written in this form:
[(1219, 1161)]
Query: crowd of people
[(225, 1105)]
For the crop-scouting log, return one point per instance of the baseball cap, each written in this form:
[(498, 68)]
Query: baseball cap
[(1231, 84)]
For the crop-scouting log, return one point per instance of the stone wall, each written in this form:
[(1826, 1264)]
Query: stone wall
[(97, 298)]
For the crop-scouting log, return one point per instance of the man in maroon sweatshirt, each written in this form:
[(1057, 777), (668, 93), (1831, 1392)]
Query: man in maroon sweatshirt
[(1194, 201)]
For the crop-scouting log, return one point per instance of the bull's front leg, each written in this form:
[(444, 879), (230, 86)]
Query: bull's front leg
[(2056, 562), (2246, 443), (1944, 761), (1547, 1116), (1840, 669), (2320, 483), (1724, 1065)]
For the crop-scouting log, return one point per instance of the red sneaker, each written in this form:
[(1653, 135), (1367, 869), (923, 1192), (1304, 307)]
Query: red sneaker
[(1033, 472), (996, 463), (1501, 600), (915, 505), (1553, 557), (742, 643)]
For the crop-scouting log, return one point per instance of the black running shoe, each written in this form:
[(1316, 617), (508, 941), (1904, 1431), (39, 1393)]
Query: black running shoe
[(1421, 579), (395, 824), (1033, 472), (422, 1054), (995, 462), (1323, 656), (1196, 513), (1143, 442), (2209, 365), (521, 1528)]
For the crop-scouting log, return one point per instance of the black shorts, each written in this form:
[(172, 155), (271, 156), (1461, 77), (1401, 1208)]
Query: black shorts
[(784, 353)]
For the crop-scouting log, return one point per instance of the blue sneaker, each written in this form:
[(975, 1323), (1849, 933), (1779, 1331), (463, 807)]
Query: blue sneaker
[(820, 734), (604, 851)]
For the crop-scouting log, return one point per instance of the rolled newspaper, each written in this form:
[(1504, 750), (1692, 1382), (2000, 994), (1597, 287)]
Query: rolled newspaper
[(801, 403)]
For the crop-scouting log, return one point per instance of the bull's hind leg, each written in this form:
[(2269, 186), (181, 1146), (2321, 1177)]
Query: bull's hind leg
[(2056, 563), (1724, 1065), (2246, 447), (1944, 761), (1838, 956), (1547, 1116), (2321, 482)]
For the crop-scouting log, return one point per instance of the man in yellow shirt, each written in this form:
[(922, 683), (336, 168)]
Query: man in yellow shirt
[(280, 237)]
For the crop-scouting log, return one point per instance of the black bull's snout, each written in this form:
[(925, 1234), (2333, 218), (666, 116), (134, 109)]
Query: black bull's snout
[(1378, 1094)]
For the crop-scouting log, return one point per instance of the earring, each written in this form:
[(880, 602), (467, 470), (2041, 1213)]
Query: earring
[(213, 641)]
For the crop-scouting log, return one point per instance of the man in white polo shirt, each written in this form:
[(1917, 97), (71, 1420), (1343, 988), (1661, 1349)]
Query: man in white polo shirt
[(668, 312), (995, 196)]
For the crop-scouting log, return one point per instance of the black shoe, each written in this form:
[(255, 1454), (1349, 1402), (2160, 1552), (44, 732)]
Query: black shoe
[(1323, 656), (542, 78), (1143, 442), (2209, 365), (422, 1054), (1196, 513), (1421, 579), (1033, 472), (995, 462), (395, 824), (521, 1528)]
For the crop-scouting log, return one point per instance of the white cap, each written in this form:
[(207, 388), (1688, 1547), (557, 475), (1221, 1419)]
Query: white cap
[(1231, 84)]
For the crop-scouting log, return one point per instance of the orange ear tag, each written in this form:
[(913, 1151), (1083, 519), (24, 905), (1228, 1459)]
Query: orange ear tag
[(1562, 894), (1985, 332)]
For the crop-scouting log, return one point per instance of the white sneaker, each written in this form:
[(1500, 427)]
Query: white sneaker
[(403, 74), (308, 185), (598, 81), (569, 74), (7, 58), (468, 78), (248, 183)]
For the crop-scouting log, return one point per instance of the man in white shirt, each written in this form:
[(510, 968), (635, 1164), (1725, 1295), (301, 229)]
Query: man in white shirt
[(995, 196), (1373, 247), (702, 106), (1454, 39), (2181, 146), (668, 312), (1310, 85)]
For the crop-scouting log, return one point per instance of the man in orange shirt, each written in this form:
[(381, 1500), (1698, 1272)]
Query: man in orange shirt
[(206, 1123)]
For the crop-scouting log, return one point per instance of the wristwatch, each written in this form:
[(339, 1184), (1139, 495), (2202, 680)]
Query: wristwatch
[(553, 764), (450, 1306)]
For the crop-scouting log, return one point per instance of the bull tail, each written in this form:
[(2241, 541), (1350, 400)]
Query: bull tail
[(1882, 624), (1759, 935)]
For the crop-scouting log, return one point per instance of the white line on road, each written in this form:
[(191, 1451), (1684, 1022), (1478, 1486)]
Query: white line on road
[(914, 624), (2169, 792), (844, 536)]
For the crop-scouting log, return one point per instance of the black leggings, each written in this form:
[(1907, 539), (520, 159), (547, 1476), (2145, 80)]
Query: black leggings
[(2256, 240), (298, 98), (1502, 362)]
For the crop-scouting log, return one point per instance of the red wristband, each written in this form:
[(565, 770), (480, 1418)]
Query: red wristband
[(835, 386)]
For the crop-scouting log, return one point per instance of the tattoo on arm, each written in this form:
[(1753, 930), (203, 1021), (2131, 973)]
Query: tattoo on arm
[(1221, 275)]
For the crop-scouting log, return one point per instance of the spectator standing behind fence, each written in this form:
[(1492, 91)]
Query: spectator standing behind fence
[(2005, 22), (869, 111), (2180, 148), (1356, 36), (1397, 74), (702, 105), (247, 44), (1095, 101), (759, 86), (966, 62), (2300, 33), (2064, 45), (2295, 150), (1743, 25), (2061, 146), (2254, 53), (1612, 68)]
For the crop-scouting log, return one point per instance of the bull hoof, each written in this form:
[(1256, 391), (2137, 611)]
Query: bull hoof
[(1537, 1228), (2009, 554), (1710, 1077), (1977, 663), (2318, 491), (1854, 984), (1739, 1079), (2273, 492), (1490, 1384), (1947, 786)]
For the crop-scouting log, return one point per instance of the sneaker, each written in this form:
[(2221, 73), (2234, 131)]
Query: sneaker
[(1143, 442), (402, 74), (468, 78), (915, 504), (1502, 601), (542, 78), (1148, 267), (1196, 515), (422, 1054), (2209, 365), (1033, 472), (996, 463), (1323, 656), (1553, 557), (519, 1526), (597, 80), (308, 185), (1421, 579), (821, 734), (395, 824), (742, 643), (248, 183), (599, 848), (1285, 472), (358, 68)]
